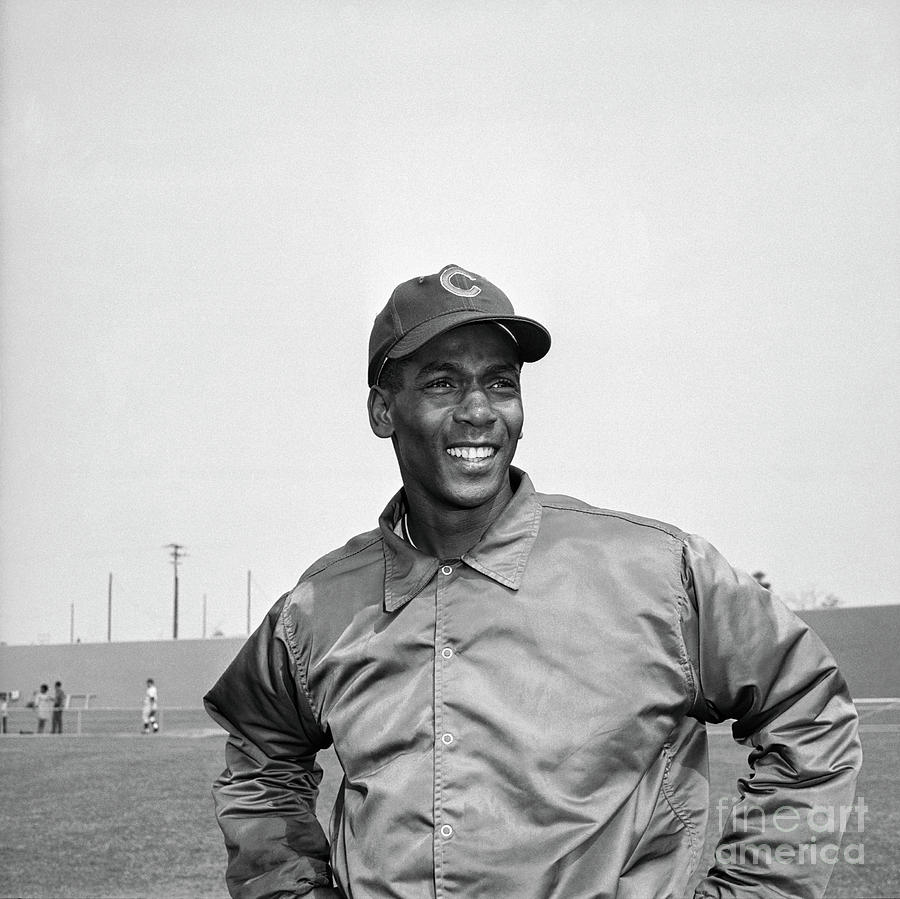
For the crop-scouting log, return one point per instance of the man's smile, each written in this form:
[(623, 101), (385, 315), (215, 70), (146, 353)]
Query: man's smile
[(476, 454)]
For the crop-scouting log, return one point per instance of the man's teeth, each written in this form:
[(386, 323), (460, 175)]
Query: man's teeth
[(471, 452)]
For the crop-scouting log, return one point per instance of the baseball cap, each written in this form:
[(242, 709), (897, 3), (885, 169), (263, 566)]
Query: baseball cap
[(424, 307)]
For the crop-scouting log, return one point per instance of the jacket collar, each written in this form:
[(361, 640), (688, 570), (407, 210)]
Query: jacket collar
[(501, 554)]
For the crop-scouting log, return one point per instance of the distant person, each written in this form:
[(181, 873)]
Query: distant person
[(517, 685), (59, 703), (150, 710), (43, 702), (4, 711)]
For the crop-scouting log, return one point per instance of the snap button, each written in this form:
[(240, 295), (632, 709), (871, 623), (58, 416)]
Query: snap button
[(447, 652), (447, 739), (446, 830), (447, 569)]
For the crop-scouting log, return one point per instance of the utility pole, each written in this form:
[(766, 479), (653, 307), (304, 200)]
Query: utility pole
[(248, 602), (177, 555), (109, 610)]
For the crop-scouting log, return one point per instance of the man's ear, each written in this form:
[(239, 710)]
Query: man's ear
[(380, 404)]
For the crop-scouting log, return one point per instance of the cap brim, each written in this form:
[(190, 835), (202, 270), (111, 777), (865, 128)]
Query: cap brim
[(531, 336)]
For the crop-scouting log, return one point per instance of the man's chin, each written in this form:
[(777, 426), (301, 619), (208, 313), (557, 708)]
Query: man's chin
[(475, 495)]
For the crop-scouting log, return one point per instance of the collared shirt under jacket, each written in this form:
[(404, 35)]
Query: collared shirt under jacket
[(528, 722)]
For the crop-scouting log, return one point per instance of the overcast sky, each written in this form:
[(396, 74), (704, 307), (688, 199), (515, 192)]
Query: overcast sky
[(204, 205)]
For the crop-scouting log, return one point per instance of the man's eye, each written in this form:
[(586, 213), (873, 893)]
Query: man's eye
[(505, 384), (439, 382)]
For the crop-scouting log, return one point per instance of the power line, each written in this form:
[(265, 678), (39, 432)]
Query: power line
[(260, 589), (177, 555)]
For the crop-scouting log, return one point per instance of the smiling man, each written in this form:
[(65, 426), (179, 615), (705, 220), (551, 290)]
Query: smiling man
[(517, 685)]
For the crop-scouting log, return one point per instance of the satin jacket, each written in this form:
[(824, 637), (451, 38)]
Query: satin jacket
[(527, 722)]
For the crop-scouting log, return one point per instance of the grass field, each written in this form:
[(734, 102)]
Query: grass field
[(114, 814)]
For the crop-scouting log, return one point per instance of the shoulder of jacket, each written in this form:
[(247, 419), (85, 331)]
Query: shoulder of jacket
[(351, 551), (330, 592), (624, 520)]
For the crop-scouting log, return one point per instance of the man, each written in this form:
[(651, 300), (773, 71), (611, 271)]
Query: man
[(59, 703), (516, 685), (43, 702), (150, 708)]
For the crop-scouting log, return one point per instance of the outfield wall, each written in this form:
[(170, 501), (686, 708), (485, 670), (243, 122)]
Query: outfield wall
[(863, 639), (865, 642), (117, 672)]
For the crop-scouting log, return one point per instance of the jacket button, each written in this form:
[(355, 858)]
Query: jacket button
[(447, 652), (446, 830), (447, 739), (447, 569)]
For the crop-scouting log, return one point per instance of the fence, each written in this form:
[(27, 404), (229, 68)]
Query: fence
[(112, 721), (875, 715)]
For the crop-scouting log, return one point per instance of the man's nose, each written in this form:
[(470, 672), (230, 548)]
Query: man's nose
[(475, 408)]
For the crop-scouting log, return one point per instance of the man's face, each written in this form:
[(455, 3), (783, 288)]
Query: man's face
[(456, 421)]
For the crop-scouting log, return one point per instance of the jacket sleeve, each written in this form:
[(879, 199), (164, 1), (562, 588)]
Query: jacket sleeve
[(756, 662), (265, 798)]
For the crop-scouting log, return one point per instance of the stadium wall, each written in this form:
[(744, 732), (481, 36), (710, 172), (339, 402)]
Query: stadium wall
[(117, 672), (864, 641)]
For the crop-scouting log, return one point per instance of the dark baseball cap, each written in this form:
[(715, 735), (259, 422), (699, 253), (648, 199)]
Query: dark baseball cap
[(424, 307)]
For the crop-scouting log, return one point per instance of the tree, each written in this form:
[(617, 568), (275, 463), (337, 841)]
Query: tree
[(811, 597), (760, 578)]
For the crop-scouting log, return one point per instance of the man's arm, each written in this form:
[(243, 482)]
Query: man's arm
[(266, 796), (757, 662)]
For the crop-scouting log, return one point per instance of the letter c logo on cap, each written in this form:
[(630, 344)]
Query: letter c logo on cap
[(448, 285)]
